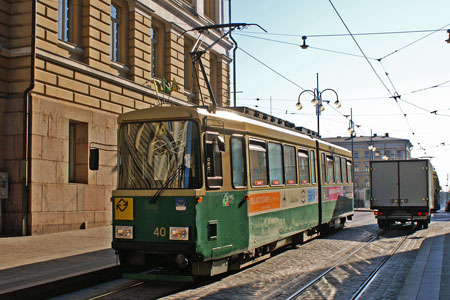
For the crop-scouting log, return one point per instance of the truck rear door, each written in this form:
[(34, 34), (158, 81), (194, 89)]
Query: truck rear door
[(413, 183), (384, 184)]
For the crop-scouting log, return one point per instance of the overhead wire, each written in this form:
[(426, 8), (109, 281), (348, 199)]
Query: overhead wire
[(346, 34), (395, 96), (412, 43), (272, 69)]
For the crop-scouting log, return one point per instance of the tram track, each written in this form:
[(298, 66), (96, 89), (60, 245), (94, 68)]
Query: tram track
[(313, 285)]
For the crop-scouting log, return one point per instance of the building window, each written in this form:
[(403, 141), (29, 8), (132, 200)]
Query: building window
[(78, 152), (119, 22), (355, 154), (214, 74), (210, 9), (400, 154), (158, 46), (366, 154), (188, 67), (356, 167), (69, 21)]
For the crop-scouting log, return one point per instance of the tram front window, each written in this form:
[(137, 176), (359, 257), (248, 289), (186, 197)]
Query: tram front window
[(155, 154)]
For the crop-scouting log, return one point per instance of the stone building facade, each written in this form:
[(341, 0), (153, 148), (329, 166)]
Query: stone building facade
[(68, 68), (365, 149)]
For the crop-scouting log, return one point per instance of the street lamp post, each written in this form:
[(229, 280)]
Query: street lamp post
[(317, 101)]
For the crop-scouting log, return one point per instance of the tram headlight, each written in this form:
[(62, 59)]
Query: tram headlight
[(124, 232), (179, 233)]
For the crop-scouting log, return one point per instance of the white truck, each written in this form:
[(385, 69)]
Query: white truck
[(402, 191)]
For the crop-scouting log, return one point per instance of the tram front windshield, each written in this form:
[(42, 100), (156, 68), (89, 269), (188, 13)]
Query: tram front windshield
[(155, 155)]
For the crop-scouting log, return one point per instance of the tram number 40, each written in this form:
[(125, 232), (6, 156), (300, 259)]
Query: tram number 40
[(160, 232)]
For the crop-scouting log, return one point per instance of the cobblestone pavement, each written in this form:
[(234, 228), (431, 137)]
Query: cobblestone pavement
[(290, 269), (279, 276), (390, 283)]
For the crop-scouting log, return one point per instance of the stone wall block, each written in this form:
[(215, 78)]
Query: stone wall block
[(62, 172), (119, 99), (59, 93), (47, 218), (36, 197), (52, 148), (13, 123), (108, 106), (43, 171), (86, 100), (59, 197), (94, 198)]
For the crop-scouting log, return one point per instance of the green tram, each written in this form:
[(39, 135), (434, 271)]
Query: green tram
[(211, 191)]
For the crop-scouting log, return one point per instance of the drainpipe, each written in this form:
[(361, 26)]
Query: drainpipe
[(234, 55), (27, 111)]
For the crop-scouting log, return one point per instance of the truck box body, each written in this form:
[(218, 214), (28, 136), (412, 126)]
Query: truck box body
[(402, 190)]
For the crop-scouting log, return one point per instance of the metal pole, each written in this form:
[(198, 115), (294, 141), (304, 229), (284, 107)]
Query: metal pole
[(271, 105), (318, 105), (353, 163)]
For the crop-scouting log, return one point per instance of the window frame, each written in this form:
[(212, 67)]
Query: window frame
[(258, 146), (119, 36), (337, 169), (330, 166), (209, 9), (158, 46), (312, 162), (188, 65), (304, 153), (69, 21), (344, 170), (349, 171), (77, 174), (216, 181), (276, 181), (244, 155), (295, 173)]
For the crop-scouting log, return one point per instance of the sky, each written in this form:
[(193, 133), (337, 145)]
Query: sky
[(366, 71)]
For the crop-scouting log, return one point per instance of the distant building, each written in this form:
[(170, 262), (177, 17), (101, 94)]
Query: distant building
[(68, 68), (366, 148)]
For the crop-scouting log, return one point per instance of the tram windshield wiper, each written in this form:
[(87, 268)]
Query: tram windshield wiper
[(171, 178)]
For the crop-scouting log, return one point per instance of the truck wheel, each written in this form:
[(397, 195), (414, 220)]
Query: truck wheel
[(381, 224)]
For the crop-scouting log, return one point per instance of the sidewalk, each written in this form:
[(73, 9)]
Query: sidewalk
[(42, 266)]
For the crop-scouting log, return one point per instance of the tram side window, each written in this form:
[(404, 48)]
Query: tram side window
[(258, 163), (344, 170), (290, 165), (349, 171), (323, 168), (214, 146), (312, 163), (275, 164), (337, 169), (330, 169), (238, 162), (303, 166)]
